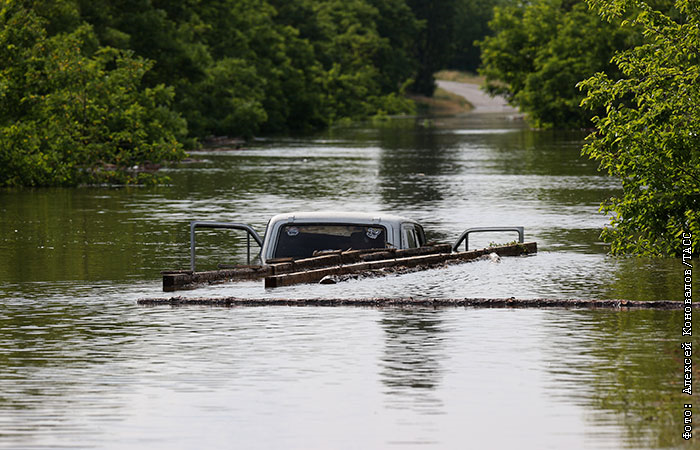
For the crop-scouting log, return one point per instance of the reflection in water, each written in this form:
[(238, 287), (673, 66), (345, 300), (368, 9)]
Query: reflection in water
[(57, 361), (468, 173), (412, 160), (626, 367), (412, 359), (479, 170), (107, 374), (80, 364)]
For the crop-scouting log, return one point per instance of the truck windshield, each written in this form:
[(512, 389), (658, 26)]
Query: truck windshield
[(301, 241)]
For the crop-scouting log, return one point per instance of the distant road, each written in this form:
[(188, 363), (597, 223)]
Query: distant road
[(482, 102)]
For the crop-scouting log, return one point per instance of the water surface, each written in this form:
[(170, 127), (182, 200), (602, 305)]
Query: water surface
[(83, 366)]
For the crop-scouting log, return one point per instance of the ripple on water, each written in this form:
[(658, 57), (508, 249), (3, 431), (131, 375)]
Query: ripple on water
[(82, 366)]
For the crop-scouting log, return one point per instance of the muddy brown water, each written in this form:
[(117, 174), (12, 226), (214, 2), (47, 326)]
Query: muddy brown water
[(84, 366)]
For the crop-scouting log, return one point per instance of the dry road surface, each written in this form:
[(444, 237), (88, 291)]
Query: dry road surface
[(482, 101)]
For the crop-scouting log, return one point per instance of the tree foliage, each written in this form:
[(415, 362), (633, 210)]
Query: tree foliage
[(433, 45), (71, 111), (541, 49), (242, 67), (649, 134), (471, 19), (140, 78)]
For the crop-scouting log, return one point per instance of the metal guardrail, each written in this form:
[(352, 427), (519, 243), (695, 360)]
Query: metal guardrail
[(226, 225), (465, 235)]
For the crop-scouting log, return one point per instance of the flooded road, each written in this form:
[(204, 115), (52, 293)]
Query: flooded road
[(84, 366), (480, 100)]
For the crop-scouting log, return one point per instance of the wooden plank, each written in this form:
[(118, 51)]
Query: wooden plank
[(503, 250), (284, 267), (173, 281), (312, 270), (316, 262), (434, 248), (314, 276)]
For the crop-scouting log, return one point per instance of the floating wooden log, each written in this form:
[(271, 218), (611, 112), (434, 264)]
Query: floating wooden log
[(420, 302)]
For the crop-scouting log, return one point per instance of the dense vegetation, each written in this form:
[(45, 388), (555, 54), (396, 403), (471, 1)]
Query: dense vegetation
[(541, 49), (470, 24), (72, 111), (95, 90), (101, 91), (640, 63), (649, 134)]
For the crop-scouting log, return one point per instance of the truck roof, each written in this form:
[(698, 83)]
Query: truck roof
[(339, 217), (390, 224)]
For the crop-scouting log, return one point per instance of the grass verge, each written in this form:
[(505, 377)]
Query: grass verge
[(442, 103), (462, 77)]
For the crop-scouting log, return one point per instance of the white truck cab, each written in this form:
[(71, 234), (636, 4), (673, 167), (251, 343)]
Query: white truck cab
[(299, 234)]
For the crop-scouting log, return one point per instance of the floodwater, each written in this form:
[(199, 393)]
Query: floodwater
[(82, 366)]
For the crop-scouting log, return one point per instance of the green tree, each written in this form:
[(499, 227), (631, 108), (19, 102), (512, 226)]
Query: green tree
[(243, 60), (362, 49), (243, 67), (648, 136), (151, 31), (72, 112), (433, 42), (349, 46), (471, 20), (539, 52), (398, 28)]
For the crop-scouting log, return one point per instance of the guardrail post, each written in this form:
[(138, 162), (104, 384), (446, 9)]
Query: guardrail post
[(193, 225), (226, 225), (465, 235)]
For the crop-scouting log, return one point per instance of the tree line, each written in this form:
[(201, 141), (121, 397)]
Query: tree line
[(631, 70), (96, 91), (93, 90)]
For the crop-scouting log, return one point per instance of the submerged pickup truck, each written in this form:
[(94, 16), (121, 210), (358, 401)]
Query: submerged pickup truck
[(300, 235), (300, 242)]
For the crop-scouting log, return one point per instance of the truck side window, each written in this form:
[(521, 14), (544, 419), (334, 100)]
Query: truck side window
[(409, 236), (420, 234)]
